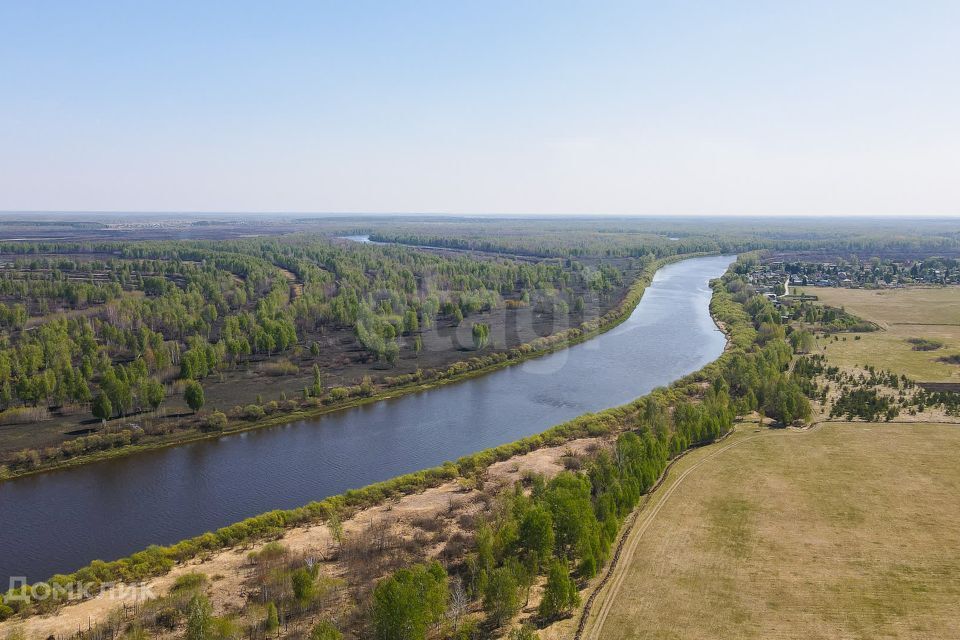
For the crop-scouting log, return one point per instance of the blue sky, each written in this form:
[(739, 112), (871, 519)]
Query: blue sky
[(502, 107)]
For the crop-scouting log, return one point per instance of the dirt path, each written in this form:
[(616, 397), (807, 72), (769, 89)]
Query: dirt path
[(591, 628), (621, 563)]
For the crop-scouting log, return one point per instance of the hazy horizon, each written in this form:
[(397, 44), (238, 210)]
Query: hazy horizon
[(482, 214), (612, 108)]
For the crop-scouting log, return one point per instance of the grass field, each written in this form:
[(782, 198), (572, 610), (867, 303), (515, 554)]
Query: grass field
[(849, 531), (902, 314), (917, 305)]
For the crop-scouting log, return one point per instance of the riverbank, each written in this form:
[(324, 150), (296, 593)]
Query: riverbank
[(158, 560), (403, 513), (405, 494), (456, 372)]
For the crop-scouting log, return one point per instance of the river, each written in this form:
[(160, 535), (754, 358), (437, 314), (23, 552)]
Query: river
[(58, 521)]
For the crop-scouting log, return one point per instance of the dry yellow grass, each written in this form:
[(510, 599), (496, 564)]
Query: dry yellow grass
[(850, 531), (902, 314), (228, 593), (846, 531), (914, 305)]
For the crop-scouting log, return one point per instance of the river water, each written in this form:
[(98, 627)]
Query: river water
[(59, 521)]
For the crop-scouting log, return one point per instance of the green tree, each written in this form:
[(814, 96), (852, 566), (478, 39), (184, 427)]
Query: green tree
[(481, 335), (501, 598), (193, 394), (560, 593), (199, 618), (304, 586), (407, 603), (116, 387), (153, 393), (6, 395), (102, 408), (336, 528), (81, 392), (536, 537), (272, 623), (317, 389), (574, 521), (325, 631), (410, 322), (802, 341)]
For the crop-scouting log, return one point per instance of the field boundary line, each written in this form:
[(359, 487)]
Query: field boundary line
[(633, 535), (631, 521)]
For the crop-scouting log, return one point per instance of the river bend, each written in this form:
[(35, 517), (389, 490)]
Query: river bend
[(58, 521)]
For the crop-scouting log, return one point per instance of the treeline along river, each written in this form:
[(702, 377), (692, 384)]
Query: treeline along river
[(59, 521)]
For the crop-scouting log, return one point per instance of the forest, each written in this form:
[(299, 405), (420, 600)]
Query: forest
[(117, 331), (556, 531), (665, 236), (118, 343)]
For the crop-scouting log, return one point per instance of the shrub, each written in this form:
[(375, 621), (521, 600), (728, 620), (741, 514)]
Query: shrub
[(216, 421), (925, 344), (253, 412), (325, 631), (338, 394), (189, 582)]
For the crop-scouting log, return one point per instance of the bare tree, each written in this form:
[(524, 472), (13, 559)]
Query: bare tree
[(459, 602)]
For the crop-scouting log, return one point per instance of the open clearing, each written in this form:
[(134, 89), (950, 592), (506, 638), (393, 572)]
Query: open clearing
[(902, 314), (849, 531), (915, 305)]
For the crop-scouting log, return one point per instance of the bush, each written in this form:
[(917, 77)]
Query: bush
[(925, 344), (253, 412), (189, 582), (525, 632), (216, 421), (338, 394), (325, 631)]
